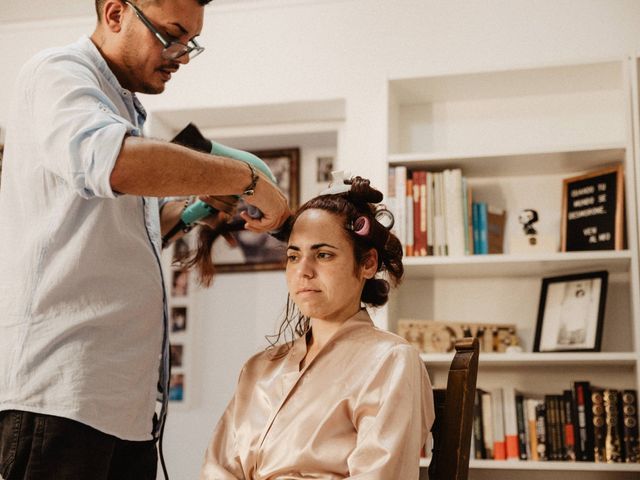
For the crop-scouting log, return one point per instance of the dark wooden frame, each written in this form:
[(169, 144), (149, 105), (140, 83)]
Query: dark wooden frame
[(542, 308), (619, 215), (269, 156)]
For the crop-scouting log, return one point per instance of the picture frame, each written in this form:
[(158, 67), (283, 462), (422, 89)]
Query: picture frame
[(571, 313), (262, 252), (324, 167), (593, 210)]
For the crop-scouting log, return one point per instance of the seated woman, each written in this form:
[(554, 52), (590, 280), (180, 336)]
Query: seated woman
[(342, 399)]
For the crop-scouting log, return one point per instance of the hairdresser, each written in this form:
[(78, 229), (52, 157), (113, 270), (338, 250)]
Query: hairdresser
[(83, 340)]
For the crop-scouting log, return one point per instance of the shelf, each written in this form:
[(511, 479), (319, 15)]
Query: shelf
[(558, 466), (520, 265), (504, 164), (608, 359)]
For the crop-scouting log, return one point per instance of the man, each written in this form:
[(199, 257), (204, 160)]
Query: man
[(83, 336)]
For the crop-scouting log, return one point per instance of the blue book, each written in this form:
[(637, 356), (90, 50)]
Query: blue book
[(476, 232), (483, 229)]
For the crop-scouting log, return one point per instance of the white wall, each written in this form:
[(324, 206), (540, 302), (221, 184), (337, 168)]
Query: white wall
[(271, 51)]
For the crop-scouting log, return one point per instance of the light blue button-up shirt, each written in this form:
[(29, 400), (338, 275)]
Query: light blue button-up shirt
[(82, 300)]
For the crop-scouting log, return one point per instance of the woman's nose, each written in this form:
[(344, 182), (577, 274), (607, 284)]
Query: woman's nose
[(306, 268)]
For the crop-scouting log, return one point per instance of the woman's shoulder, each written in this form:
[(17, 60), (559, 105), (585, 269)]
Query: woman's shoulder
[(269, 354), (376, 344), (379, 336)]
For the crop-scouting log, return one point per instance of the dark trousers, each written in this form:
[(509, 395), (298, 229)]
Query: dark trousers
[(43, 447)]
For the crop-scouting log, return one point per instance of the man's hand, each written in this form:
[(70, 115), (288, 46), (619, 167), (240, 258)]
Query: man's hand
[(226, 204), (271, 202)]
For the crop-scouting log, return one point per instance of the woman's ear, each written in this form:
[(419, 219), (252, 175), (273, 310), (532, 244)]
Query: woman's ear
[(370, 264)]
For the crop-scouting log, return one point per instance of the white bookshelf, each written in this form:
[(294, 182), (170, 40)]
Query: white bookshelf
[(547, 466), (516, 265), (516, 134), (543, 360)]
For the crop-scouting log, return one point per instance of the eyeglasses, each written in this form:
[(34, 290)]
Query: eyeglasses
[(174, 49)]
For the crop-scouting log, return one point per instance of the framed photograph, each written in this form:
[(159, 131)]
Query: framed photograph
[(593, 211), (179, 283), (176, 350), (261, 251), (571, 313), (324, 168), (176, 387), (178, 319)]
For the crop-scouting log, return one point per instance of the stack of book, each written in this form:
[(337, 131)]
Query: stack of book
[(585, 423), (435, 214)]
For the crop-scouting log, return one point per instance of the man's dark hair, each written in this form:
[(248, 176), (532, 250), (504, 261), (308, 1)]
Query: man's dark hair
[(100, 4)]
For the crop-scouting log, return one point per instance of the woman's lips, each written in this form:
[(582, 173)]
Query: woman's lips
[(307, 291)]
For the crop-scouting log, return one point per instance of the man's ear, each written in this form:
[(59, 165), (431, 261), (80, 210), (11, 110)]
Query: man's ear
[(370, 264), (113, 14)]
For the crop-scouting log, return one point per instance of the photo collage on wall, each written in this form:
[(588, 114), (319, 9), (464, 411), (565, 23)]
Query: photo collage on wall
[(180, 293)]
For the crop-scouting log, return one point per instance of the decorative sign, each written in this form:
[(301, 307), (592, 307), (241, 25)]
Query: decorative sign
[(592, 211)]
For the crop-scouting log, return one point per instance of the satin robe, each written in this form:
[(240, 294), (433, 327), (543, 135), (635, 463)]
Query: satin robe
[(361, 409)]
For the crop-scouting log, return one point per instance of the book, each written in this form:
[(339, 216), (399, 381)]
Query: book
[(561, 420), (550, 424), (415, 209), (522, 427), (468, 216), (439, 219), (510, 422), (497, 410), (487, 423), (630, 431), (599, 425), (478, 434), (475, 227), (430, 212), (391, 198), (496, 219), (454, 213), (541, 433), (584, 420), (481, 245), (613, 426), (401, 205), (409, 218), (532, 452), (569, 425), (482, 228)]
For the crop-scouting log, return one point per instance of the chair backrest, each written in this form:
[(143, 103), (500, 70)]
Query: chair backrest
[(454, 415)]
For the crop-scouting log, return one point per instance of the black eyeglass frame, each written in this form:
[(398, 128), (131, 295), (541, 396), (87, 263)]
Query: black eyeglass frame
[(193, 49)]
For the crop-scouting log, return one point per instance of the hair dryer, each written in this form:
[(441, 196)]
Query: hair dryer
[(191, 137)]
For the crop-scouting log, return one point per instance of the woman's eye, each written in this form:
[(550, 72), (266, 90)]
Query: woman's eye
[(324, 255), (291, 257)]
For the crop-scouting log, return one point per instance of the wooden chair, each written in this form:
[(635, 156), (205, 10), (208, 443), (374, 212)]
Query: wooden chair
[(454, 415)]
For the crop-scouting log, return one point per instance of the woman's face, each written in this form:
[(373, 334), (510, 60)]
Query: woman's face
[(322, 277)]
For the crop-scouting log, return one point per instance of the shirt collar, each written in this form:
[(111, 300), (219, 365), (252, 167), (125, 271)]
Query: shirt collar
[(86, 45)]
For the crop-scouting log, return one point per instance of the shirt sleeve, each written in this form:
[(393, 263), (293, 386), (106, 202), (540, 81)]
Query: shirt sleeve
[(76, 124), (393, 415), (221, 459)]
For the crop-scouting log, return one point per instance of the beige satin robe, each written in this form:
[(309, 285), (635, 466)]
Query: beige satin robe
[(361, 409)]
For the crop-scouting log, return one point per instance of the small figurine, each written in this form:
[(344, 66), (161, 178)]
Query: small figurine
[(532, 240), (527, 218)]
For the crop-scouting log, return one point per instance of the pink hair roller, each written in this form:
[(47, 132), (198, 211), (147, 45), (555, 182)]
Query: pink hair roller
[(362, 226)]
